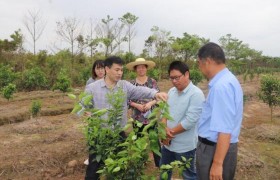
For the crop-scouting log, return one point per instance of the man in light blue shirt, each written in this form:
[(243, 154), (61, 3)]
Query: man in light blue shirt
[(185, 105), (220, 121)]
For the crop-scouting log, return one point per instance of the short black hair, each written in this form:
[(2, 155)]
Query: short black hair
[(213, 51), (178, 65), (99, 64), (113, 60)]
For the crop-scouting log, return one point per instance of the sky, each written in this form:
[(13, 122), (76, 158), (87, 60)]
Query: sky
[(255, 22)]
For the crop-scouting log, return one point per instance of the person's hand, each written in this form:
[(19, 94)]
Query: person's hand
[(87, 114), (166, 142), (140, 107), (169, 133), (216, 171), (161, 96), (148, 106)]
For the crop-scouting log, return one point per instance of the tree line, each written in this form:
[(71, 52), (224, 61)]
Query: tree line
[(41, 69)]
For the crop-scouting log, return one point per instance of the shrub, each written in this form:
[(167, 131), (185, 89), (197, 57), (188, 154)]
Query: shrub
[(155, 74), (245, 76), (6, 75), (195, 76), (8, 91), (269, 91), (86, 73), (63, 82), (251, 76), (35, 108), (34, 79), (130, 75)]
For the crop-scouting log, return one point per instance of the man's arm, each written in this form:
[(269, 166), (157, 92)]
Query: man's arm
[(178, 129), (138, 106), (216, 171), (191, 115)]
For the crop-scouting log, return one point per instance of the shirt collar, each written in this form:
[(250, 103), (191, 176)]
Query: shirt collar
[(217, 77), (103, 83), (186, 88)]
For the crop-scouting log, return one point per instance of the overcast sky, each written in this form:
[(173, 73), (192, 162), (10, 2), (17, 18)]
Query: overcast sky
[(255, 22)]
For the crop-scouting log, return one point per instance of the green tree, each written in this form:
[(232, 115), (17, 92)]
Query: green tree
[(195, 76), (159, 43), (129, 20), (7, 75), (269, 91), (35, 108), (92, 41), (8, 91), (109, 32), (63, 82), (11, 46), (235, 49), (187, 46), (34, 79)]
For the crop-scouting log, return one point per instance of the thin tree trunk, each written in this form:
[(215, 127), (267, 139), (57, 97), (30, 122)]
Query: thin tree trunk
[(271, 113)]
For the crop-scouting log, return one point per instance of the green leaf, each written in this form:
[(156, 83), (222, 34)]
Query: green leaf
[(76, 109), (126, 127), (83, 94), (72, 96), (141, 143), (87, 99), (109, 161), (117, 169), (164, 175), (100, 112), (166, 167), (98, 158), (134, 137), (99, 171), (139, 124)]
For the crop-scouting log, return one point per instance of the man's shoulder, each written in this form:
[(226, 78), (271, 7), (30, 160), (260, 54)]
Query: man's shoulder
[(228, 80), (195, 89), (172, 90), (95, 84), (124, 83)]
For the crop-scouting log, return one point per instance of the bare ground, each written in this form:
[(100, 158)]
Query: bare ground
[(52, 146)]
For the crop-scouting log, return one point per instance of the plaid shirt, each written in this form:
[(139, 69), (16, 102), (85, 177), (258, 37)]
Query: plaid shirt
[(136, 114), (99, 90)]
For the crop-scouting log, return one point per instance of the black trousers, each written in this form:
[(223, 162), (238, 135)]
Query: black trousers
[(94, 166)]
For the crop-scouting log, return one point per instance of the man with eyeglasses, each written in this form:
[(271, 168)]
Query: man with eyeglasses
[(185, 101)]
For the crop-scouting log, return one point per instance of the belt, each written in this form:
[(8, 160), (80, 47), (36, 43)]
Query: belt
[(206, 141)]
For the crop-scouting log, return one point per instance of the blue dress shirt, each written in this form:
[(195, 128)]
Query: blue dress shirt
[(222, 111)]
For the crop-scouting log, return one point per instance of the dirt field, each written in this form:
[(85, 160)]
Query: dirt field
[(52, 146)]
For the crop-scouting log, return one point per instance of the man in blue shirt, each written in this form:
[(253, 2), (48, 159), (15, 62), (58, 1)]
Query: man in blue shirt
[(185, 104), (220, 122)]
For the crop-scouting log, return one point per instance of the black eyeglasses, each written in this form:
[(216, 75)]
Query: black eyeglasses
[(176, 78)]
